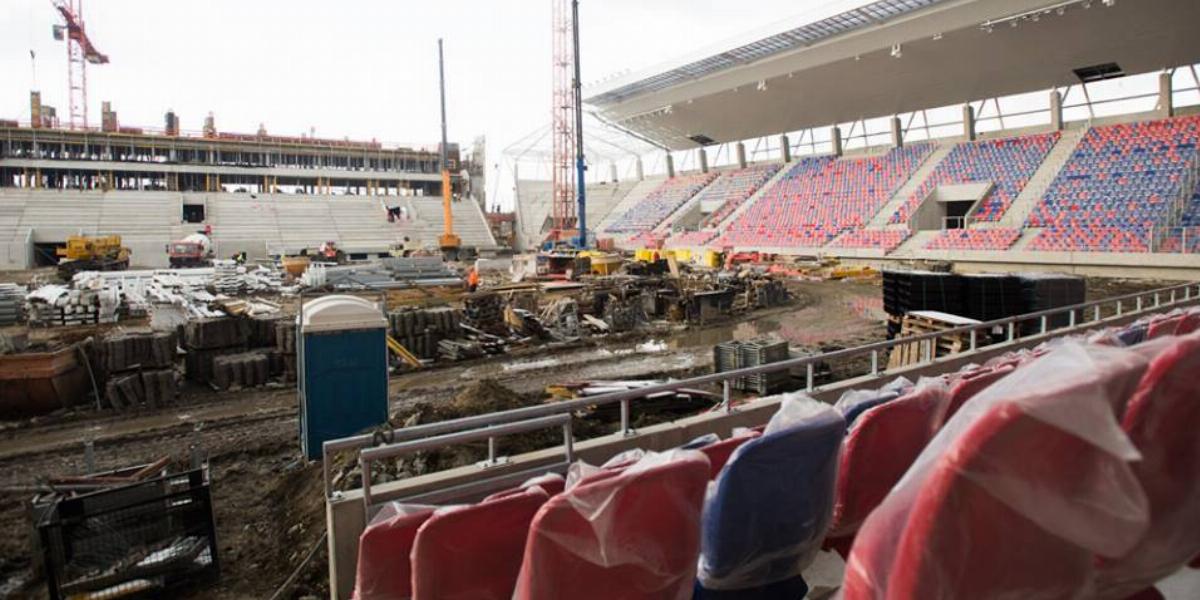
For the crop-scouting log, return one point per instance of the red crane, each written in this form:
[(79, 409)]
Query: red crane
[(80, 52), (563, 123)]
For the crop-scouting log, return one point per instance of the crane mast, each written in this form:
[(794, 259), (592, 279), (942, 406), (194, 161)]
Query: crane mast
[(80, 52)]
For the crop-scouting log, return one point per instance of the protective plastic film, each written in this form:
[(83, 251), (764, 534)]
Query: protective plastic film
[(629, 533), (1017, 493), (384, 571), (767, 513)]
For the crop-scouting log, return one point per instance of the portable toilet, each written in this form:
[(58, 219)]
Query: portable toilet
[(343, 376)]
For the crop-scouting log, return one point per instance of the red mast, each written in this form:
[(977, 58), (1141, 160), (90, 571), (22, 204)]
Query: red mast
[(563, 120), (80, 52)]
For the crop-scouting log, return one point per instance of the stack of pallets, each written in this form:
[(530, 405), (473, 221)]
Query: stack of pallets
[(922, 322)]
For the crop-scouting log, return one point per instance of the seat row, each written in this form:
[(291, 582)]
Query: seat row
[(733, 188), (661, 202), (1066, 471), (883, 239), (1000, 238)]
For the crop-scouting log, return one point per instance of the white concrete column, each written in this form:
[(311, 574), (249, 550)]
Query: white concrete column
[(1056, 119), (785, 147), (703, 160), (835, 138), (969, 122), (612, 171), (641, 172), (670, 166), (1166, 101), (741, 155), (897, 133)]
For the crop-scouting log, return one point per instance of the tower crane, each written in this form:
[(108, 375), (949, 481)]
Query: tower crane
[(80, 52)]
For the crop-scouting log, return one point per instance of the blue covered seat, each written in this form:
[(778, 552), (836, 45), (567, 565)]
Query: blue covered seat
[(767, 512)]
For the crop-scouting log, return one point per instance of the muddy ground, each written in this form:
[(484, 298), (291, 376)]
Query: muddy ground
[(268, 502)]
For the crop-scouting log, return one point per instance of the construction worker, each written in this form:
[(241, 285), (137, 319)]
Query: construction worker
[(472, 279)]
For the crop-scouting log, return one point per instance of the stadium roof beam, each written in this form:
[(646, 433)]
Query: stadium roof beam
[(840, 67)]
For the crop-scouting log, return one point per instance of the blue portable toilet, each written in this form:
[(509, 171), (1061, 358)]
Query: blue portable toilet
[(343, 376)]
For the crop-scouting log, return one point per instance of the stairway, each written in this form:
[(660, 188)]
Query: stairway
[(770, 183), (914, 244), (882, 219), (1041, 180), (1027, 236), (638, 193)]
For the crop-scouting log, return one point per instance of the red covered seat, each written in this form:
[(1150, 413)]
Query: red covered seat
[(718, 453), (1164, 326), (969, 384), (384, 570), (474, 552), (551, 483), (632, 536), (1017, 493), (880, 446), (1161, 420)]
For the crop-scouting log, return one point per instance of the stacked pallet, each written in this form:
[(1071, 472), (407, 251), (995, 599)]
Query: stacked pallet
[(243, 370), (987, 297), (1043, 291), (733, 355), (12, 300), (226, 277), (927, 321), (206, 339), (906, 291), (421, 330), (138, 369)]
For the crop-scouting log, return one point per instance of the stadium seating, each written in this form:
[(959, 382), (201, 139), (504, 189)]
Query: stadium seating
[(822, 197), (661, 202), (770, 506), (1187, 237), (883, 239), (974, 239), (384, 570), (732, 188), (1008, 163), (685, 239), (1120, 183), (630, 533), (718, 453)]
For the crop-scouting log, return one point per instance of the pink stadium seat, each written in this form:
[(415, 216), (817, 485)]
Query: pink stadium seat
[(1164, 325), (968, 384), (474, 552), (884, 239), (880, 446), (631, 536), (1017, 494), (551, 483), (718, 454), (661, 202), (733, 188), (1160, 419), (975, 239), (384, 570)]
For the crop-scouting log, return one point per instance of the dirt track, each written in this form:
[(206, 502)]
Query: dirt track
[(269, 506)]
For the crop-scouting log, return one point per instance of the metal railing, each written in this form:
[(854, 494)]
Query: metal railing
[(437, 435)]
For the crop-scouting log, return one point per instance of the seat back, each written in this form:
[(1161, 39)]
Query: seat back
[(630, 536), (770, 506), (969, 384), (853, 404), (718, 453), (474, 552), (384, 570), (1161, 419), (1164, 326), (1017, 493), (551, 483)]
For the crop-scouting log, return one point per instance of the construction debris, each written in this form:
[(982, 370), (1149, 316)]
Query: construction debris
[(733, 355), (11, 304)]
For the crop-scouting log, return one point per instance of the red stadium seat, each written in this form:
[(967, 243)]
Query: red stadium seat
[(384, 570), (718, 453), (474, 552), (632, 536), (968, 384)]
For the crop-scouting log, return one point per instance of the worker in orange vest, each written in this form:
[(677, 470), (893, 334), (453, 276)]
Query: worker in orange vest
[(472, 279)]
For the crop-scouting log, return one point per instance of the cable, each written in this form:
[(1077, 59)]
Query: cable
[(287, 584)]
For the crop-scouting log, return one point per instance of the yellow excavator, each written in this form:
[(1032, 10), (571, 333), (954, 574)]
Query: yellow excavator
[(88, 253)]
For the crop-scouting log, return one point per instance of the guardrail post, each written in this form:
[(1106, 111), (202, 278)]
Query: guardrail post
[(568, 442), (625, 417), (1045, 323), (1187, 293), (808, 377), (974, 339), (1120, 307), (727, 395), (1012, 330), (491, 452), (364, 467), (1172, 296), (874, 362), (1096, 312), (1071, 319), (1157, 302), (1139, 304)]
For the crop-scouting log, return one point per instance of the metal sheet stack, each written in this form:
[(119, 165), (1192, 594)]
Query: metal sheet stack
[(387, 273), (226, 278), (1042, 291), (12, 300), (88, 300), (732, 355), (987, 297), (420, 330)]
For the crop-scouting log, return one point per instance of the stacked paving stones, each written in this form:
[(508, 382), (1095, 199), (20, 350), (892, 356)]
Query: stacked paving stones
[(421, 330), (206, 339), (139, 369)]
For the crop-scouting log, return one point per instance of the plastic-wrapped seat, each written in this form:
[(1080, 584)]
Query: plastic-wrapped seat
[(474, 552), (768, 510), (384, 570), (1017, 494), (551, 483), (718, 453), (971, 383), (881, 445), (1161, 419), (630, 535)]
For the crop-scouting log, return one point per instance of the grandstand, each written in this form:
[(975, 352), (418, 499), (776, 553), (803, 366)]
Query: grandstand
[(262, 195)]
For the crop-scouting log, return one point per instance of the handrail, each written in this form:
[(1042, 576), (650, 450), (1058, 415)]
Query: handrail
[(1177, 294), (490, 433)]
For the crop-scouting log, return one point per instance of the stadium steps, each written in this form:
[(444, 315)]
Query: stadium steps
[(636, 194), (665, 225), (1027, 235), (1019, 211), (914, 244), (12, 207), (533, 207), (768, 184), (469, 222), (882, 219)]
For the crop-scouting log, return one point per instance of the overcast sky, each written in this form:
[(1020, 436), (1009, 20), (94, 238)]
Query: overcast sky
[(358, 68)]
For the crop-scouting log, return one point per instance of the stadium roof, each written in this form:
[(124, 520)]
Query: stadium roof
[(854, 60)]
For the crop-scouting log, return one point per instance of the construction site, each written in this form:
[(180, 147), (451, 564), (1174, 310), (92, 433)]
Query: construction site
[(711, 346)]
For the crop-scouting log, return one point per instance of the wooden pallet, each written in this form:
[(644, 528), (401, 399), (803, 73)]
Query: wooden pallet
[(911, 325)]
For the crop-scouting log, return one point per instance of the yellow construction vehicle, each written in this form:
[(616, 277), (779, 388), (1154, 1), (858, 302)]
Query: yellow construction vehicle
[(449, 242), (86, 253)]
